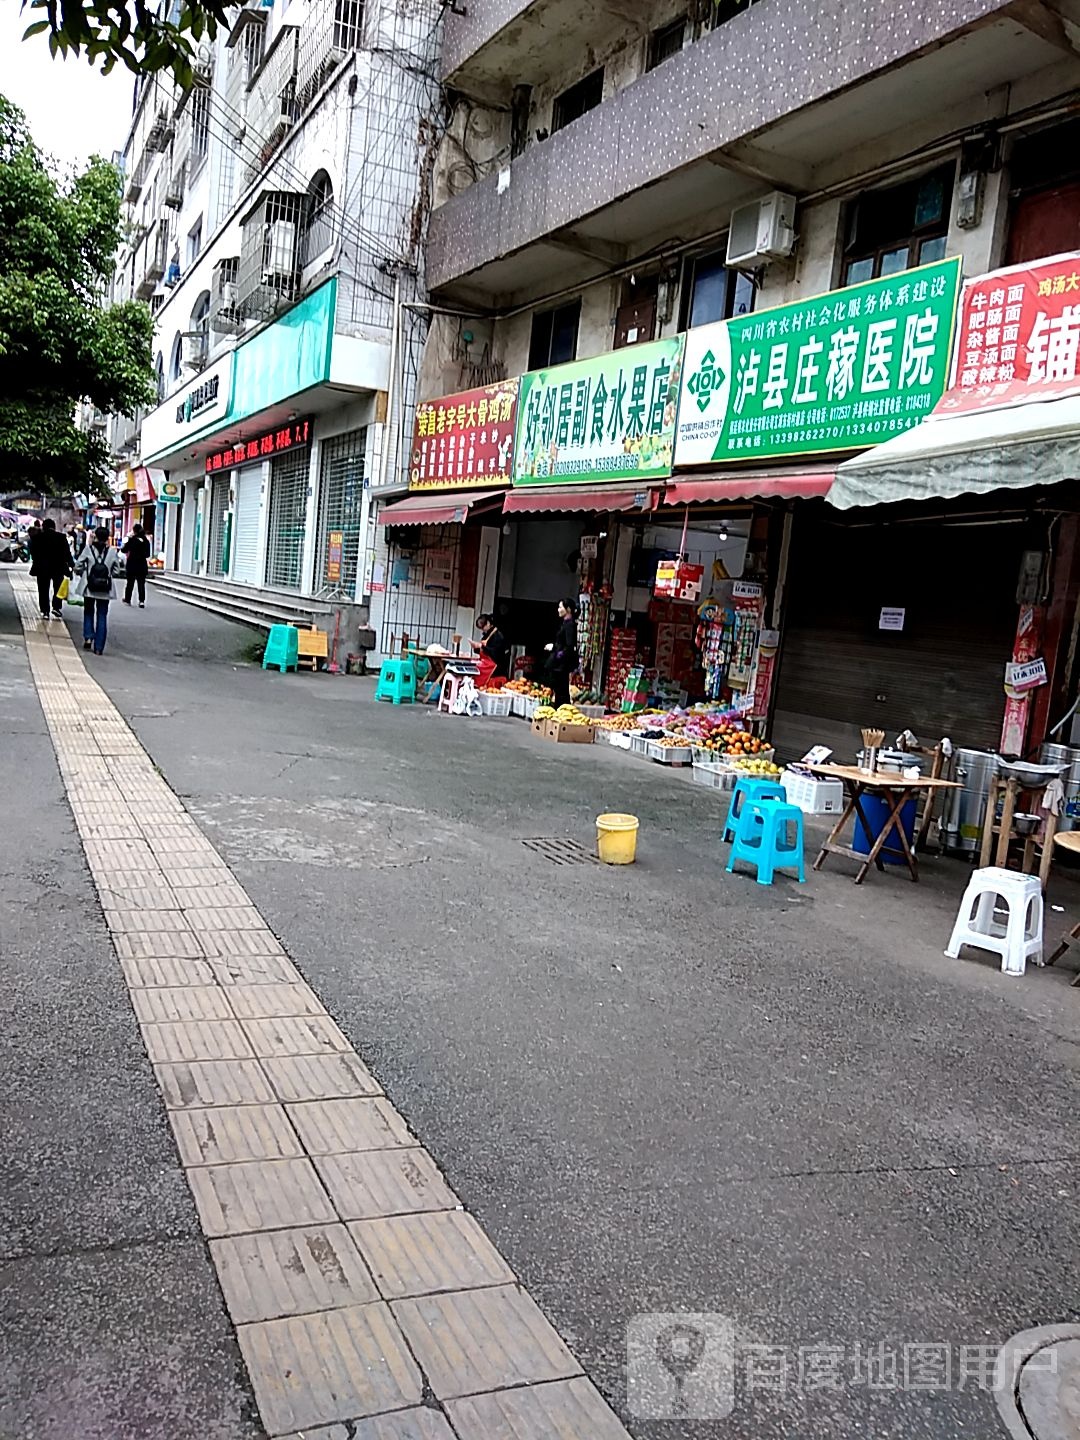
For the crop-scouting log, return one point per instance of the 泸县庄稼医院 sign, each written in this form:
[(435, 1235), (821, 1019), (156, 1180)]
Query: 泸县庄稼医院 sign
[(838, 372)]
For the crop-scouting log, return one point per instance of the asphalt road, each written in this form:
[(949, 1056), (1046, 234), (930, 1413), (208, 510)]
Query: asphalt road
[(660, 1089), (112, 1326)]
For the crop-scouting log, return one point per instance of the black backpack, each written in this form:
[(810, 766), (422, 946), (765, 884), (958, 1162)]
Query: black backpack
[(98, 576)]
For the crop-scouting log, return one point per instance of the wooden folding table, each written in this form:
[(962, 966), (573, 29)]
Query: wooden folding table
[(892, 787)]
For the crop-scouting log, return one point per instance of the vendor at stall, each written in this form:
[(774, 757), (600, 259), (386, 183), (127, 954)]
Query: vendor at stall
[(494, 652)]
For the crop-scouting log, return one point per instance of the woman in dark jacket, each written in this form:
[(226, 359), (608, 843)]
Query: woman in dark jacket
[(564, 653), (137, 550), (50, 563)]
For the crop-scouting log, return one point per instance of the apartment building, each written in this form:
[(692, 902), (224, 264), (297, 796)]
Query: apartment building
[(613, 177), (275, 213)]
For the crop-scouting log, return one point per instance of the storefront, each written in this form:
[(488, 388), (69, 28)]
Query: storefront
[(436, 569), (970, 524), (272, 446)]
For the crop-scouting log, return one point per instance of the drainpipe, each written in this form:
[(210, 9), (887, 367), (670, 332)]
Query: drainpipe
[(392, 384)]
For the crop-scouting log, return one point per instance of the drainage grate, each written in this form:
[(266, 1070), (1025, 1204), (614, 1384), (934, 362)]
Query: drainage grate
[(562, 852)]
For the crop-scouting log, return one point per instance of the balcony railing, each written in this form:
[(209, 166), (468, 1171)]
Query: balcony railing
[(271, 106), (155, 251), (332, 30)]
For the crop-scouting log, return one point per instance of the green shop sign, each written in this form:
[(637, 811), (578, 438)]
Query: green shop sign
[(611, 418), (838, 372)]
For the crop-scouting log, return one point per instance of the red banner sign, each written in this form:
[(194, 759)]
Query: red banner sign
[(289, 437), (465, 441), (1018, 337)]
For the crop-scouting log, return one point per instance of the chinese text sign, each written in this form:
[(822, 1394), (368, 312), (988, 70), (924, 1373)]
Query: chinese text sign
[(1018, 336), (464, 441), (610, 418), (838, 372)]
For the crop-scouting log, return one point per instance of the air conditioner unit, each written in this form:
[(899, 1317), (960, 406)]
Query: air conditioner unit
[(763, 230), (193, 350), (279, 253)]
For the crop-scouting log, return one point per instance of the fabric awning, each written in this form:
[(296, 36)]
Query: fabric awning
[(435, 509), (748, 485), (600, 498), (1037, 443)]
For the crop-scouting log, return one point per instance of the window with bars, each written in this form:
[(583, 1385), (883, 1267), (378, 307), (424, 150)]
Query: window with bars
[(288, 520), (200, 119), (348, 24), (341, 499)]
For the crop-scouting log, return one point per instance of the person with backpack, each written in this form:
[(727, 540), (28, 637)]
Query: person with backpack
[(97, 566), (137, 550), (50, 565)]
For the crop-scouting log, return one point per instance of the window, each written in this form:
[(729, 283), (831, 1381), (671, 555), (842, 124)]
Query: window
[(554, 336), (176, 359), (665, 42), (348, 24), (721, 11), (194, 241), (159, 376), (319, 218), (711, 291), (200, 119), (894, 229), (580, 98)]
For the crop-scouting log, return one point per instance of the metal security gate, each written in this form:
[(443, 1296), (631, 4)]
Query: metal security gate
[(245, 547), (219, 503), (341, 497), (288, 520), (427, 615)]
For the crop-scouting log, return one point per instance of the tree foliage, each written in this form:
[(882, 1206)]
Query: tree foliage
[(129, 31), (59, 342)]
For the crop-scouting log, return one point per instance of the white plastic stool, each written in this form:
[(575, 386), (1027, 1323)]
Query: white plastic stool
[(1018, 938)]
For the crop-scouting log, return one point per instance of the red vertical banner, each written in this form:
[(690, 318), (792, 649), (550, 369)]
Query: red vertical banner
[(1018, 696)]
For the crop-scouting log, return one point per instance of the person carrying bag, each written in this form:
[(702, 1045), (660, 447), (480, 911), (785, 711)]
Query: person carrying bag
[(97, 567)]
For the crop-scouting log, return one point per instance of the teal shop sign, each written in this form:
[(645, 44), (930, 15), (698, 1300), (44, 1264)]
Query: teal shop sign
[(838, 372), (288, 357)]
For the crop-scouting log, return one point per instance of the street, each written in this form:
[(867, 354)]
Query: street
[(659, 1090)]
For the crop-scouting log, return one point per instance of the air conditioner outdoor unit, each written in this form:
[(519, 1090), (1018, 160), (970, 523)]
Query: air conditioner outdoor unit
[(193, 350), (763, 230)]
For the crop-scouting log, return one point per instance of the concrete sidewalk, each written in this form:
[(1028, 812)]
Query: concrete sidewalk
[(777, 1119), (112, 1324)]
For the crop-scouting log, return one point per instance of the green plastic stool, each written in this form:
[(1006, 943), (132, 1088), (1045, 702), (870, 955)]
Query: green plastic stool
[(397, 682), (282, 649)]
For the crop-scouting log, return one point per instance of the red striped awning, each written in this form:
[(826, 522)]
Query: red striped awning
[(602, 499), (435, 509), (750, 484)]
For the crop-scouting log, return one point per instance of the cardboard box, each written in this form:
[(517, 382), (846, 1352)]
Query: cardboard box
[(539, 725), (564, 734)]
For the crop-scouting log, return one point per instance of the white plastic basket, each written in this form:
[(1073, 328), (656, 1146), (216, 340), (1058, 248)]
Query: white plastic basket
[(517, 703), (496, 705), (668, 754), (812, 795), (716, 777), (638, 745)]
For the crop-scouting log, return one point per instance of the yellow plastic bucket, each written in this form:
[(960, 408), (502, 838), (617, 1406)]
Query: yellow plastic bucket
[(616, 838)]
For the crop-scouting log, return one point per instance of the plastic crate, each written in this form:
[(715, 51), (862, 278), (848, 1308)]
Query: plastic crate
[(668, 754), (812, 795), (639, 745), (496, 705), (716, 777), (517, 704)]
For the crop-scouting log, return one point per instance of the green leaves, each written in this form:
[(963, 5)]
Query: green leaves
[(128, 31), (59, 344)]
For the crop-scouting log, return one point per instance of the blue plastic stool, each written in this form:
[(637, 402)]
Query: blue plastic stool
[(282, 649), (763, 839), (747, 790), (397, 682)]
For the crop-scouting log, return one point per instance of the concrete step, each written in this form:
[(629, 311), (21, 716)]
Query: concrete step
[(248, 605)]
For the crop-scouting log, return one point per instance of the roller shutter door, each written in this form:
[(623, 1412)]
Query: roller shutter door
[(245, 558), (288, 520)]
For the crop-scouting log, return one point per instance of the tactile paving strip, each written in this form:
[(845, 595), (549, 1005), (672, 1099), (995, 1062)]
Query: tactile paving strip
[(364, 1298)]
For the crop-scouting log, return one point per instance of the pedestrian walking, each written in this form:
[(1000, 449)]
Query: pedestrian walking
[(564, 653), (97, 565), (137, 552), (50, 565)]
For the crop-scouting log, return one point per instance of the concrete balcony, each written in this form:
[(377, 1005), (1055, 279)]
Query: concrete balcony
[(789, 95)]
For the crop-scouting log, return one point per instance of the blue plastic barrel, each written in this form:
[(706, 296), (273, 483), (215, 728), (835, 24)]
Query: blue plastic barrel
[(877, 812)]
